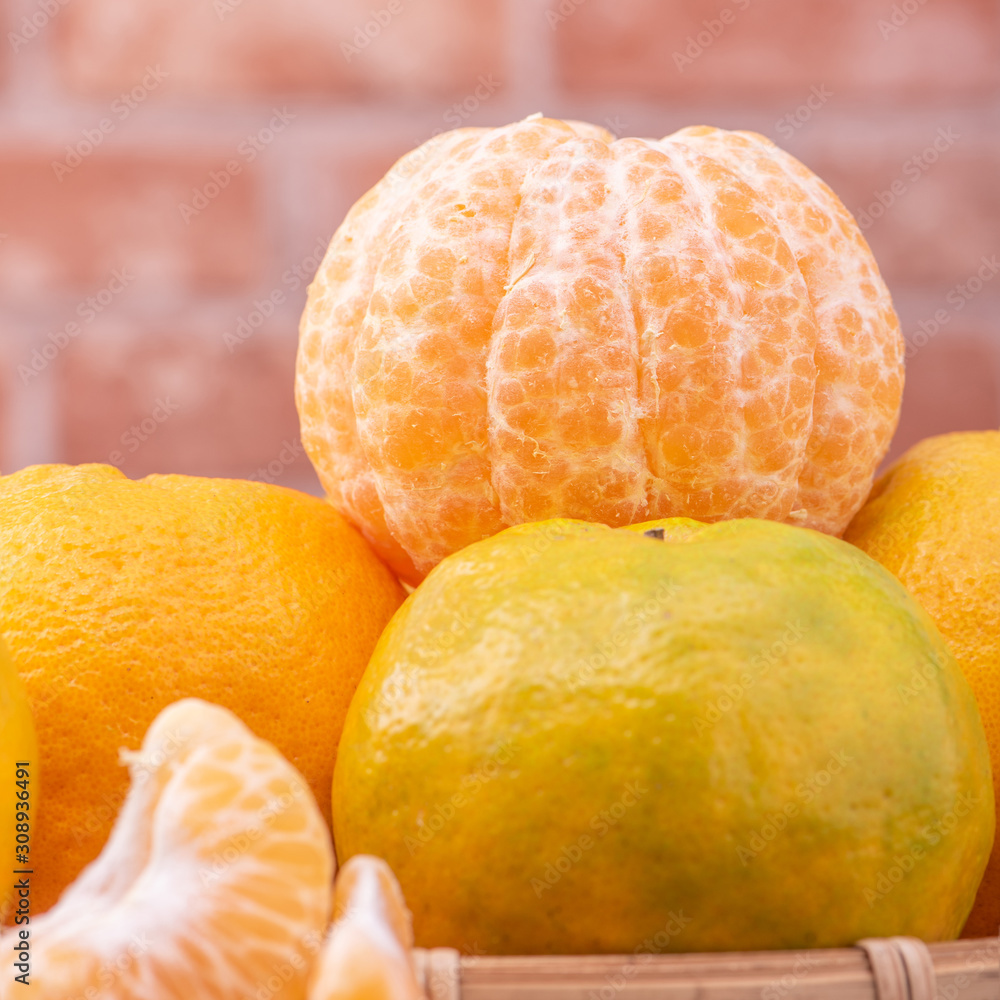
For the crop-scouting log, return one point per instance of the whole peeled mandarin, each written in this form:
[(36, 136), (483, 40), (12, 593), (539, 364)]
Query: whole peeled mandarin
[(543, 321)]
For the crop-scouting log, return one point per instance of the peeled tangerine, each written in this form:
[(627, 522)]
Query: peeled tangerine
[(543, 321), (367, 955), (215, 882)]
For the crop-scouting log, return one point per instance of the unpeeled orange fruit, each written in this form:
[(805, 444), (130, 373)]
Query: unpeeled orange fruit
[(574, 739), (120, 597), (539, 320), (214, 884), (933, 520)]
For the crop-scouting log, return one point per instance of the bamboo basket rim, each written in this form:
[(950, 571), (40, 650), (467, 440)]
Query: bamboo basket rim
[(876, 969)]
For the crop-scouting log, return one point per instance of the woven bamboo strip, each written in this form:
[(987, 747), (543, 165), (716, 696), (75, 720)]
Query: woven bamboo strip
[(964, 970)]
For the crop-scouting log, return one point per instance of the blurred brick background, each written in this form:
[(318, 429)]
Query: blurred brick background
[(171, 170)]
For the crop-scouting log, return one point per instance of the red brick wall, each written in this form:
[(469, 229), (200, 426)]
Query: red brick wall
[(170, 171)]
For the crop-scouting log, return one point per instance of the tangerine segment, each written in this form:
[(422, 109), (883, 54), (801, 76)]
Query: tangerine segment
[(562, 372), (215, 880), (338, 302), (420, 361), (859, 355), (727, 334), (367, 954), (548, 321)]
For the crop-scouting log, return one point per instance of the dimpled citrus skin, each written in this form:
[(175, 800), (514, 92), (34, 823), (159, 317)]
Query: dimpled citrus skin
[(17, 743), (933, 520), (540, 320), (729, 688), (120, 597)]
